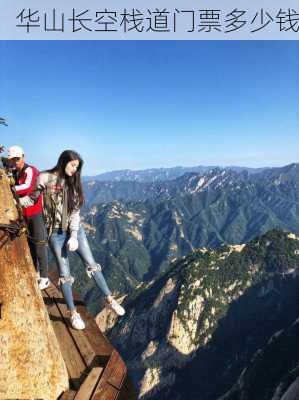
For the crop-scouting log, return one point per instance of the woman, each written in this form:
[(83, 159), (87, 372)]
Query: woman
[(63, 197)]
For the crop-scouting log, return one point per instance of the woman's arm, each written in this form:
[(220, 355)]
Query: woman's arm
[(74, 222), (74, 227)]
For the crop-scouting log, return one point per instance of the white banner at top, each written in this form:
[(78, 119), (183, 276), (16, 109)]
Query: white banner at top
[(149, 20)]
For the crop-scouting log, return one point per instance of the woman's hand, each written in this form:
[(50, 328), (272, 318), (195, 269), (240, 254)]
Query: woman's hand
[(72, 244)]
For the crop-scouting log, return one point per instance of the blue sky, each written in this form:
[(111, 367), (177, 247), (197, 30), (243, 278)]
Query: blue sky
[(146, 104)]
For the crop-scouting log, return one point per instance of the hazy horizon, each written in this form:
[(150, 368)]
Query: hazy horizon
[(191, 166)]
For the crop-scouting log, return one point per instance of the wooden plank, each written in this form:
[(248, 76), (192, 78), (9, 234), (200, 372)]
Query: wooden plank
[(118, 375), (69, 395), (106, 392), (84, 347), (112, 378), (95, 350), (88, 386), (96, 338), (70, 354), (116, 370)]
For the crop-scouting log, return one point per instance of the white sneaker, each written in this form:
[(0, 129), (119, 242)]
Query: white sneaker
[(43, 283), (76, 321), (117, 308)]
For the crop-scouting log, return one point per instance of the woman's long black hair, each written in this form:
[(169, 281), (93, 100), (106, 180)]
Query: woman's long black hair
[(73, 183)]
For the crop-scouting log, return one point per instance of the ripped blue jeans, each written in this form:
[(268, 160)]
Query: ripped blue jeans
[(58, 244)]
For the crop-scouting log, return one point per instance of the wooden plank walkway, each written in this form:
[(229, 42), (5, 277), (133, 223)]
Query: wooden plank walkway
[(96, 370)]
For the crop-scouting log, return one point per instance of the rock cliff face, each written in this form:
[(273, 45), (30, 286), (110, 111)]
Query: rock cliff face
[(191, 332), (31, 365)]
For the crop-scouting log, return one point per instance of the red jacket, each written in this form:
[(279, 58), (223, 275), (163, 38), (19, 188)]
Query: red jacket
[(25, 184)]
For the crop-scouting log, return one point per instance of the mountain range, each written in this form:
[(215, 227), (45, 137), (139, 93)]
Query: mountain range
[(218, 324), (135, 238), (209, 274), (140, 187), (157, 174)]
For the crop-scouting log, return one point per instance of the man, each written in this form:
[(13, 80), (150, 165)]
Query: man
[(25, 182)]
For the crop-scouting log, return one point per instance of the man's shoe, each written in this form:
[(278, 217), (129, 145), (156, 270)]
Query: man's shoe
[(43, 283), (76, 321), (117, 308)]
